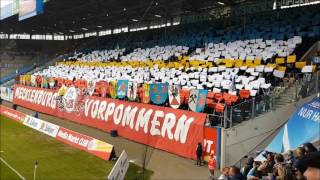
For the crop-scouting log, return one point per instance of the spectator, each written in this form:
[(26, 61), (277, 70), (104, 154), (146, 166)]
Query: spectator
[(199, 152), (309, 166), (285, 173), (248, 166), (279, 161), (234, 173), (212, 164), (269, 163), (300, 151), (225, 174), (254, 172), (309, 147)]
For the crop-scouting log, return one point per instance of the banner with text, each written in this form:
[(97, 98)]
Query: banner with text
[(91, 145), (86, 143), (172, 130), (12, 114), (6, 93)]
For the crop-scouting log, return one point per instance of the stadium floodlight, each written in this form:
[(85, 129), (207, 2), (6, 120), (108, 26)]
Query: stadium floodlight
[(71, 30), (99, 26), (85, 29), (221, 3), (135, 20), (157, 15)]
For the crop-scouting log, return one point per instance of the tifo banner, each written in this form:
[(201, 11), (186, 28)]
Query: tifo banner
[(159, 93), (302, 127), (122, 88), (91, 145), (86, 143), (6, 93), (197, 99), (12, 114), (172, 130)]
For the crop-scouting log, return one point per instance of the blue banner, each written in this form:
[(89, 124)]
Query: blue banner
[(201, 102), (122, 88), (159, 93), (302, 127)]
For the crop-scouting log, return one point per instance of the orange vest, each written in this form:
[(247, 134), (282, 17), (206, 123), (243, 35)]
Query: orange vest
[(212, 164)]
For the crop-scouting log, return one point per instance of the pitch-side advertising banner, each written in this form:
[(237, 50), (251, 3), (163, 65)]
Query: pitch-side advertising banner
[(86, 143), (172, 130), (119, 170), (42, 126), (91, 145), (6, 93), (12, 114)]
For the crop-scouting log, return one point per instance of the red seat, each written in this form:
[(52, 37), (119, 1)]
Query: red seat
[(244, 94), (219, 107), (218, 97), (211, 95)]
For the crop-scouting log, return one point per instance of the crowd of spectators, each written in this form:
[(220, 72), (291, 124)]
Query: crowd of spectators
[(300, 164)]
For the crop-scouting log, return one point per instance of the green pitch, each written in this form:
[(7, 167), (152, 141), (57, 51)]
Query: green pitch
[(21, 146)]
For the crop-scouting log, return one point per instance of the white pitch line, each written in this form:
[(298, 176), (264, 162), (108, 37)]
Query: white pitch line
[(21, 177)]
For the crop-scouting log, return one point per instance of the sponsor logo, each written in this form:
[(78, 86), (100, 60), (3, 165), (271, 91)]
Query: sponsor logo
[(42, 126)]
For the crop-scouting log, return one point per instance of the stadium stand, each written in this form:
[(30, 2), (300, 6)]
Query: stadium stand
[(224, 71), (233, 69)]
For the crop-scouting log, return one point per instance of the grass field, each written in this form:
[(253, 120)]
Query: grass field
[(21, 146)]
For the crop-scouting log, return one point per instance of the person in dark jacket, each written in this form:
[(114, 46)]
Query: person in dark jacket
[(234, 173), (309, 148), (248, 166), (199, 152)]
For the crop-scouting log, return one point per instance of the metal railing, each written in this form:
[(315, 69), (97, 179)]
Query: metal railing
[(303, 86)]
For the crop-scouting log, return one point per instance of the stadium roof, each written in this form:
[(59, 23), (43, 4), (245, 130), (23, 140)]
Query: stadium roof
[(71, 17)]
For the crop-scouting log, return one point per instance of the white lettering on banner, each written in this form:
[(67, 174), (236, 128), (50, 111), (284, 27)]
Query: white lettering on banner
[(36, 96), (117, 115), (154, 123), (128, 116), (207, 144), (143, 119), (309, 114), (168, 124), (183, 128), (160, 124)]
